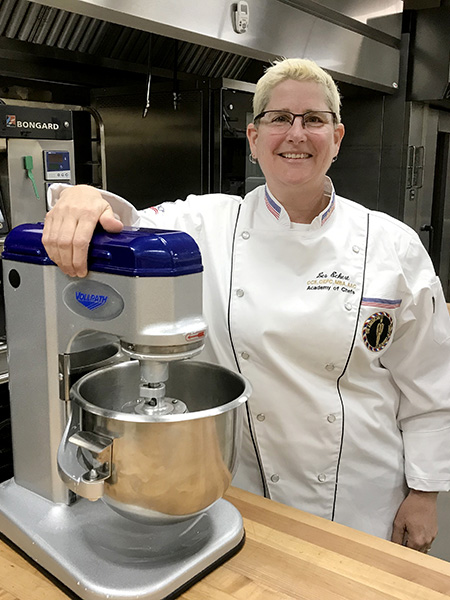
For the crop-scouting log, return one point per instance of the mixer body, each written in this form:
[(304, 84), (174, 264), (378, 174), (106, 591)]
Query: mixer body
[(154, 435)]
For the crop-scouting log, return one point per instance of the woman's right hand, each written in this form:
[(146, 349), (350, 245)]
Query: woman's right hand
[(69, 226)]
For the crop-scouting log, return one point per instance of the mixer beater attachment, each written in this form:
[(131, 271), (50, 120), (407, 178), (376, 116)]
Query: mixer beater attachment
[(152, 400)]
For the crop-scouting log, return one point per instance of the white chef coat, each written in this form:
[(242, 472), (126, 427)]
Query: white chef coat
[(342, 329)]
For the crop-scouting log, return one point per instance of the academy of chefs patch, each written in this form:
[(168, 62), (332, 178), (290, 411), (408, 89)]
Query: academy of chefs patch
[(377, 331)]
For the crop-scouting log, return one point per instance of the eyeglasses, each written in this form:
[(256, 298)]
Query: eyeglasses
[(280, 121)]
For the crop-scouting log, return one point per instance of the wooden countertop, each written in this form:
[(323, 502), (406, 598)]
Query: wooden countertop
[(288, 554)]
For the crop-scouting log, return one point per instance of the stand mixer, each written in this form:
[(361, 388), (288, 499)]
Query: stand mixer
[(154, 436)]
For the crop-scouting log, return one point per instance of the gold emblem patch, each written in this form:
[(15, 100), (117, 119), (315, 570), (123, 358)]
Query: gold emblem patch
[(377, 331)]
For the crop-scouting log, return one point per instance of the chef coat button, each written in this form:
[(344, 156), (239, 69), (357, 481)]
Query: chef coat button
[(329, 367), (356, 249), (245, 355), (261, 417), (245, 235), (322, 477), (331, 418), (239, 293), (275, 478), (348, 306)]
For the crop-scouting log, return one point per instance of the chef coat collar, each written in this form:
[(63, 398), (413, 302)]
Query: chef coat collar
[(279, 213)]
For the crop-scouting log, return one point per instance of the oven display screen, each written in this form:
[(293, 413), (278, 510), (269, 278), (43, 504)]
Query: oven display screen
[(57, 161)]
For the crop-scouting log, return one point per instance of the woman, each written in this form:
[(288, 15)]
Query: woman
[(332, 311)]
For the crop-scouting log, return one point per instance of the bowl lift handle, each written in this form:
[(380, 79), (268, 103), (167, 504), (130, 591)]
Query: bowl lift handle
[(90, 483)]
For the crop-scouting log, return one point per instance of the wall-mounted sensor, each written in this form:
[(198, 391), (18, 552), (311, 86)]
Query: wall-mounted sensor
[(240, 16)]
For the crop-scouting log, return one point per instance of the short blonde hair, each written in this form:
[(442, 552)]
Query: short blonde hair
[(298, 69)]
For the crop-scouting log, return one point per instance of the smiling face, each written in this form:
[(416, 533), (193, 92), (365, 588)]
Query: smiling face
[(295, 162)]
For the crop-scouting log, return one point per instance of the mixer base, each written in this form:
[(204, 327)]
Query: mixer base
[(99, 554)]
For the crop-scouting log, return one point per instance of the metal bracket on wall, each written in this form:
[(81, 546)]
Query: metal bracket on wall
[(414, 176)]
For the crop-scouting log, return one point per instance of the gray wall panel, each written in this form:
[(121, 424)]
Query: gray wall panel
[(154, 159)]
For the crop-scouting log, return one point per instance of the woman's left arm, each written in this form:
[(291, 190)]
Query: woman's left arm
[(415, 524), (419, 362)]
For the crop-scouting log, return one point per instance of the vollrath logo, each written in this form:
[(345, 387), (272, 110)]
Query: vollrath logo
[(91, 301), (10, 120)]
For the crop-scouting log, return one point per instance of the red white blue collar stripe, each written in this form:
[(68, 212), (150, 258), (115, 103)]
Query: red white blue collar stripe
[(327, 214), (380, 303), (272, 206), (275, 209)]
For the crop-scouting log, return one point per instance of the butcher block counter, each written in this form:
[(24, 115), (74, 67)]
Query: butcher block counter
[(287, 554)]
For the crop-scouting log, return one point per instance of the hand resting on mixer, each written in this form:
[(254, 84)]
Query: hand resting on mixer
[(70, 224)]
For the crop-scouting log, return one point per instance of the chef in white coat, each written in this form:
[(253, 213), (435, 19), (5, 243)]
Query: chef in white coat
[(332, 311)]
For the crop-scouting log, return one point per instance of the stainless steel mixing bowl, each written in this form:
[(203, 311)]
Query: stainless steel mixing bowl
[(92, 350), (166, 468), (85, 361)]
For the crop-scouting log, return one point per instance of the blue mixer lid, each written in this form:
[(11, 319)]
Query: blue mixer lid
[(133, 252)]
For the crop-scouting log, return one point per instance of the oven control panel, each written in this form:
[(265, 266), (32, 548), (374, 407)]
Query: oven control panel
[(56, 165)]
